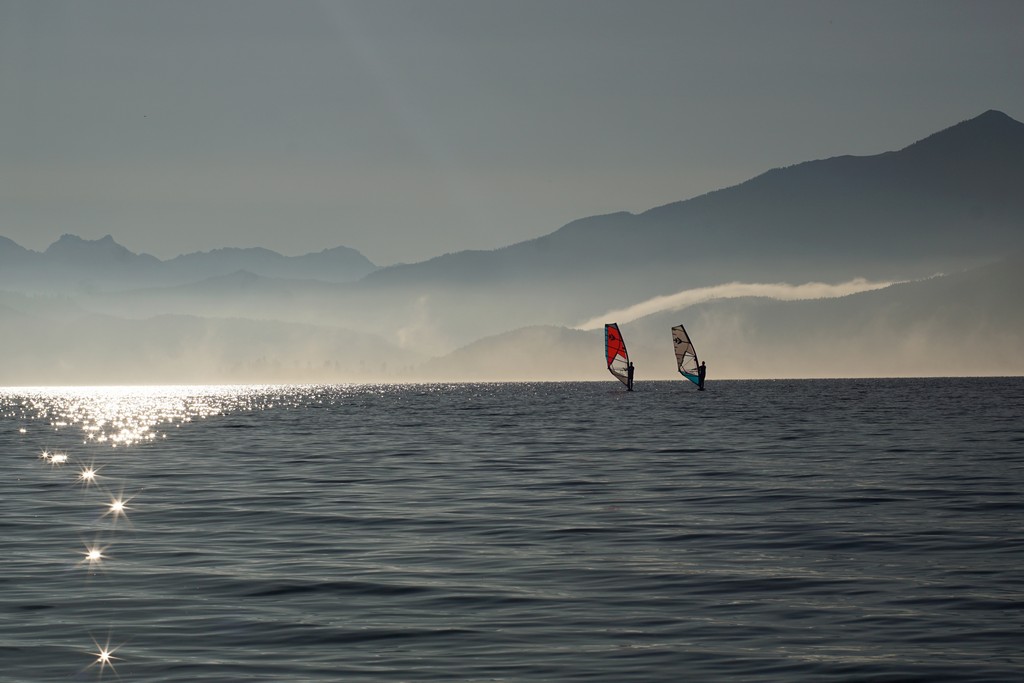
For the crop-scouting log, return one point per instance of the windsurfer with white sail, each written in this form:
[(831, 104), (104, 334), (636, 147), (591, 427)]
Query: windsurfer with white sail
[(686, 357)]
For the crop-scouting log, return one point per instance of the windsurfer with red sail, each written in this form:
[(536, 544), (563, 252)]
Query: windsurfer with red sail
[(615, 353)]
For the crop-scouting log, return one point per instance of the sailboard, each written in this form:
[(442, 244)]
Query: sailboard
[(615, 352), (686, 356)]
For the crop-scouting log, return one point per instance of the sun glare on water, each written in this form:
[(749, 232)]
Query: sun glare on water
[(89, 475), (104, 655), (94, 554), (121, 416), (55, 459), (117, 507), (98, 419)]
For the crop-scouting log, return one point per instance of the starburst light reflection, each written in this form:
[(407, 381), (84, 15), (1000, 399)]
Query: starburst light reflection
[(94, 555), (104, 656), (88, 475), (118, 507)]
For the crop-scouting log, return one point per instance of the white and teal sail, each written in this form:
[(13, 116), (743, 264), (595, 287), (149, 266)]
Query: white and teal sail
[(686, 356)]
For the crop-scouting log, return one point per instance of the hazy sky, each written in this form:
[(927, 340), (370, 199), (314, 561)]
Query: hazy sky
[(407, 129)]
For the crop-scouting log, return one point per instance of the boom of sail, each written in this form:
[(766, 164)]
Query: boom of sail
[(686, 356), (615, 352)]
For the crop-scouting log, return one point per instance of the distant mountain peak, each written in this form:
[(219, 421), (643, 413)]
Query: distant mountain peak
[(990, 129), (234, 251), (73, 246), (68, 238), (993, 114)]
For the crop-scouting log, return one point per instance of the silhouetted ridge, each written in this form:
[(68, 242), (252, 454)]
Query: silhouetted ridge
[(951, 198), (76, 249), (944, 203), (73, 263), (990, 138), (991, 126), (12, 252)]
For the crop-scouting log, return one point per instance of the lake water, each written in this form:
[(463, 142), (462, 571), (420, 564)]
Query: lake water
[(821, 530)]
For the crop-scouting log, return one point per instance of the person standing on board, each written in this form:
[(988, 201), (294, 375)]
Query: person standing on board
[(629, 376), (701, 372)]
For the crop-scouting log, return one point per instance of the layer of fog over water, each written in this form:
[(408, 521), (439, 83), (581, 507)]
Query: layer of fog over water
[(762, 530)]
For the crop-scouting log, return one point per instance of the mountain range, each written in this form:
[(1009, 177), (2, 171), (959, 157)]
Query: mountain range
[(949, 204), (73, 265), (949, 199)]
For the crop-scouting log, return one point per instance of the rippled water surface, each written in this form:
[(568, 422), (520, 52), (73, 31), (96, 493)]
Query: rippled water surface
[(844, 530)]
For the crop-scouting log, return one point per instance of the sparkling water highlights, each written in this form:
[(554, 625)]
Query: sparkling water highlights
[(795, 531), (121, 416), (94, 554), (104, 657), (105, 418)]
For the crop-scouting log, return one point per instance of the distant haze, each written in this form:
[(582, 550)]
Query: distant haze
[(789, 274), (408, 129)]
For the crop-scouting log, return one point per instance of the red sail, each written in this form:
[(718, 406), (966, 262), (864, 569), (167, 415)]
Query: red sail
[(615, 352)]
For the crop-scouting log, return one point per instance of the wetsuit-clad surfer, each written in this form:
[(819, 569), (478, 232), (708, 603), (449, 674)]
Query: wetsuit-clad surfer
[(629, 376), (701, 372)]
